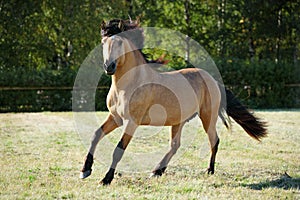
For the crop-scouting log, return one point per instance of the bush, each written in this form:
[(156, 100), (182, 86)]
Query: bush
[(42, 90), (261, 84)]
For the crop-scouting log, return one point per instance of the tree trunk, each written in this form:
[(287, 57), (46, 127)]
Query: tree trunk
[(278, 39), (188, 28), (221, 22)]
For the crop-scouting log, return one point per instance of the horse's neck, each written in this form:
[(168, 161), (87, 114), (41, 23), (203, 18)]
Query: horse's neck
[(134, 71)]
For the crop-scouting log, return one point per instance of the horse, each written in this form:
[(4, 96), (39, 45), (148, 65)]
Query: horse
[(140, 95)]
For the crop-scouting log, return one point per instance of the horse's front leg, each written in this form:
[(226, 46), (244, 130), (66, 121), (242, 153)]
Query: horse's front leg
[(175, 144), (128, 132), (109, 125)]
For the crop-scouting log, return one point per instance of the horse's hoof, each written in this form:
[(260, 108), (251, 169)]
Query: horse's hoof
[(105, 182), (210, 171), (85, 174), (154, 175), (158, 172)]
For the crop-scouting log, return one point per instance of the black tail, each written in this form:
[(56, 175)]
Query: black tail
[(251, 124)]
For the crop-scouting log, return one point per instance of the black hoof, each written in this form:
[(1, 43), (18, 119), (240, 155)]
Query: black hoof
[(210, 171), (87, 167), (85, 174), (108, 177), (105, 181), (158, 172)]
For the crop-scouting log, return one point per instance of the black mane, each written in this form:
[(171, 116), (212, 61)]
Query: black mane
[(136, 36)]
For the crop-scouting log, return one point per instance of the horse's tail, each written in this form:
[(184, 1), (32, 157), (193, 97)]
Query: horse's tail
[(234, 109)]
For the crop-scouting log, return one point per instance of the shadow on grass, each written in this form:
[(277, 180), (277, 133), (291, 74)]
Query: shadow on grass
[(284, 182)]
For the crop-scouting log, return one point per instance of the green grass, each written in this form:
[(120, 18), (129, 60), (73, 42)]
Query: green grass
[(41, 155)]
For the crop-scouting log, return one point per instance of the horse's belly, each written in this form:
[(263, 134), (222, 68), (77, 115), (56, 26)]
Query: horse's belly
[(168, 114)]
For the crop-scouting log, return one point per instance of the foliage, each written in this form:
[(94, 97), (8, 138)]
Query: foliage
[(258, 85), (44, 90), (44, 42), (262, 84)]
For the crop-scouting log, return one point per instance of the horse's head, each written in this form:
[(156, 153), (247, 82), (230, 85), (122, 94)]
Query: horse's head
[(118, 38), (114, 49)]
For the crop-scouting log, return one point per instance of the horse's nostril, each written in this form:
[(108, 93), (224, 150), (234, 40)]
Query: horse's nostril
[(112, 66), (110, 69)]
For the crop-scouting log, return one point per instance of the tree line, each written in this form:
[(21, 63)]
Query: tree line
[(56, 36)]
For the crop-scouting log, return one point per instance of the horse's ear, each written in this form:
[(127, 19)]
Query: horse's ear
[(121, 25), (103, 24)]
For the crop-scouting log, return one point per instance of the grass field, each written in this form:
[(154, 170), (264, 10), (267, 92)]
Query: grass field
[(42, 153)]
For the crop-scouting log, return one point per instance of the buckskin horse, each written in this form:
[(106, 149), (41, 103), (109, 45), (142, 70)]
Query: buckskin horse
[(140, 95)]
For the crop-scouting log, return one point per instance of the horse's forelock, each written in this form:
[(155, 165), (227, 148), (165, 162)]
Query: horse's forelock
[(117, 26), (132, 31)]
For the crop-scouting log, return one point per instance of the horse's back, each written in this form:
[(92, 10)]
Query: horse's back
[(200, 80)]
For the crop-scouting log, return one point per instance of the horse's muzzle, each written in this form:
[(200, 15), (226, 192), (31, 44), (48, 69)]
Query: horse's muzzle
[(111, 68)]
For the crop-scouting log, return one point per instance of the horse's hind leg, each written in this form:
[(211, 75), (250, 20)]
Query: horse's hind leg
[(175, 144), (109, 125), (209, 122)]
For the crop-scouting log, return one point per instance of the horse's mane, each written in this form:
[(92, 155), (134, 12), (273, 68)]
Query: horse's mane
[(136, 36)]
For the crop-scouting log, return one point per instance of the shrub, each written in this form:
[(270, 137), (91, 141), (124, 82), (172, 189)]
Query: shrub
[(260, 84)]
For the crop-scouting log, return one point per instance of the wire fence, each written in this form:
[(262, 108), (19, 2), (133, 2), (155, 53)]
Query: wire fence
[(37, 99)]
